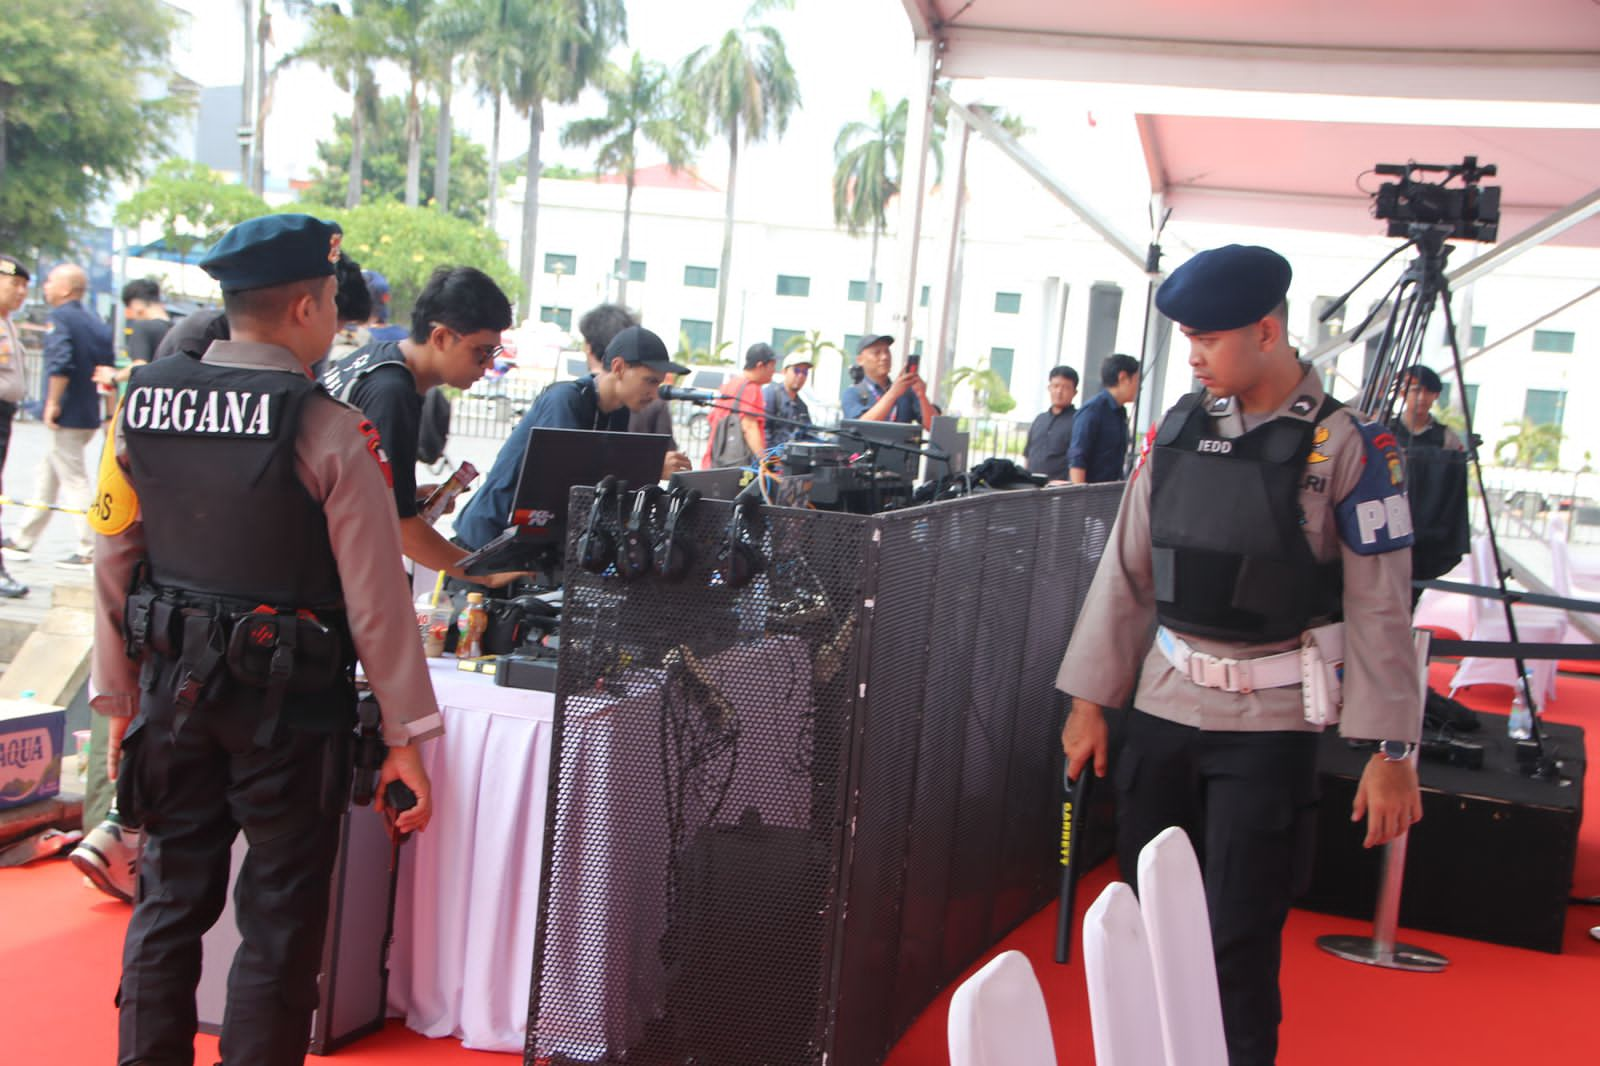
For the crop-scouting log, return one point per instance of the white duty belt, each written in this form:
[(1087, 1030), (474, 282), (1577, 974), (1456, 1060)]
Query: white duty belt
[(1229, 675)]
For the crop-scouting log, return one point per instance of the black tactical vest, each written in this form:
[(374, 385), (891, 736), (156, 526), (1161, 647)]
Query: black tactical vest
[(1229, 557), (1436, 488), (341, 376), (211, 454)]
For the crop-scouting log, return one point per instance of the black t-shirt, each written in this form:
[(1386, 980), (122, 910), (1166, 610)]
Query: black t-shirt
[(144, 337), (387, 395)]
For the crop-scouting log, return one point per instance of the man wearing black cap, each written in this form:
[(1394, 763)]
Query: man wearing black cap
[(248, 556), (874, 398), (744, 439), (635, 364), (1261, 512), (13, 291)]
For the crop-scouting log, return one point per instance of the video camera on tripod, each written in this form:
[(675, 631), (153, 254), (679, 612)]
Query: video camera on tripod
[(1472, 212)]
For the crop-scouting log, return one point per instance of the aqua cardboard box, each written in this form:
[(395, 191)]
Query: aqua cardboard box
[(30, 751)]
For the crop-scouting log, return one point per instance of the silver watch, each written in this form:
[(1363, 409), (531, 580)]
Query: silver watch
[(1395, 750)]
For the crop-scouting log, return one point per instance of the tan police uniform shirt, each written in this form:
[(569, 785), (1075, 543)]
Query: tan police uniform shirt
[(334, 463), (1111, 647), (12, 386)]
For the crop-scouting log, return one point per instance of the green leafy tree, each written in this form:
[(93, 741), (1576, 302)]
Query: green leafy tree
[(409, 46), (451, 30), (347, 46), (1533, 446), (869, 158), (70, 122), (384, 168), (193, 205), (405, 244), (716, 355), (747, 89), (989, 391), (642, 103), (562, 44)]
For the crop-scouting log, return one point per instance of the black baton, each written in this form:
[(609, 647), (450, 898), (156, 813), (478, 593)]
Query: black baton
[(1075, 796)]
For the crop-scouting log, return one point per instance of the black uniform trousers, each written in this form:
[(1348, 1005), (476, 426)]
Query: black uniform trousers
[(194, 781), (1248, 803)]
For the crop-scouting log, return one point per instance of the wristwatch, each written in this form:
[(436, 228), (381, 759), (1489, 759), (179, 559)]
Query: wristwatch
[(1395, 750)]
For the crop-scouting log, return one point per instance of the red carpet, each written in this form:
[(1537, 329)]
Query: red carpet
[(59, 950), (1493, 1005)]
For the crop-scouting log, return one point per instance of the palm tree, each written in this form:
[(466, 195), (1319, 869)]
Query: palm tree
[(410, 47), (454, 28), (641, 102), (869, 157), (345, 46), (748, 89), (561, 43)]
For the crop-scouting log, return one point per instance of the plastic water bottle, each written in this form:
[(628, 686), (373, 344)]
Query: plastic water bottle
[(1520, 725)]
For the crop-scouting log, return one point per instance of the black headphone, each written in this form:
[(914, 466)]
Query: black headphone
[(597, 548), (673, 558), (634, 547), (741, 560)]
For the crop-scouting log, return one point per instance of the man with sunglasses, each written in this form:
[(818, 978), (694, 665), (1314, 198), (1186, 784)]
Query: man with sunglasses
[(456, 324)]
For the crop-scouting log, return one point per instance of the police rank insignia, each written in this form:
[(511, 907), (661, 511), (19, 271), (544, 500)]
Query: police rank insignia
[(1319, 437)]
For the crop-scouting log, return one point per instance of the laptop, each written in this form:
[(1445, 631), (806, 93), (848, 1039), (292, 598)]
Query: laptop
[(865, 435), (717, 483), (557, 461)]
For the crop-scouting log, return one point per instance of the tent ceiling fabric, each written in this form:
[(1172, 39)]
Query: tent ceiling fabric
[(1537, 50), (1304, 174)]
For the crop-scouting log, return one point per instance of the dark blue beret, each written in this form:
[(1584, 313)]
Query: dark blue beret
[(273, 250), (1225, 288)]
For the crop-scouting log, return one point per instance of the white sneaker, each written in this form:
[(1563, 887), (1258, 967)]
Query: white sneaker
[(109, 856)]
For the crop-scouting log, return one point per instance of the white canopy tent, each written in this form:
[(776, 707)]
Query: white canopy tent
[(1518, 84)]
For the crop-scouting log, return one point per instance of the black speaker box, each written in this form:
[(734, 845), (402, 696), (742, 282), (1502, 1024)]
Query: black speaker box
[(1491, 859)]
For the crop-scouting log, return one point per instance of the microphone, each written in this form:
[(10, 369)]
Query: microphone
[(672, 392)]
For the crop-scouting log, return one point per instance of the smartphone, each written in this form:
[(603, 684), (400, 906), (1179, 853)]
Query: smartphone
[(913, 363)]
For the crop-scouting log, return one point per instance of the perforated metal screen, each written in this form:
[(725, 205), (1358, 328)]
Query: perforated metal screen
[(784, 816)]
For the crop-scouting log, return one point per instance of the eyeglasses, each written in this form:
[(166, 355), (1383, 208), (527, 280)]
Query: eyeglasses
[(486, 353)]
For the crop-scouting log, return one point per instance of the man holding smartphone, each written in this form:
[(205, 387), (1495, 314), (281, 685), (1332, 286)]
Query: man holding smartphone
[(878, 399)]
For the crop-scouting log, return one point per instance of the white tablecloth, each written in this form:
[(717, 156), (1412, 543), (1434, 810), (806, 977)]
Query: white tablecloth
[(462, 958)]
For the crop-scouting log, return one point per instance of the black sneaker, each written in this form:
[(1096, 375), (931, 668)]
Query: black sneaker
[(76, 561), (14, 550), (10, 587)]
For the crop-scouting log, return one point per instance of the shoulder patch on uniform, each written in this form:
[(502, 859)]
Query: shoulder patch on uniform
[(375, 447), (1144, 450), (1376, 516), (115, 504), (1303, 405)]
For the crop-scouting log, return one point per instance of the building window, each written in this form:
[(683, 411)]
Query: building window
[(1480, 335), (700, 277), (922, 301), (1553, 340), (561, 316), (793, 285), (782, 337), (1000, 360), (1545, 407), (858, 292), (916, 349), (560, 264), (852, 344), (1008, 303), (694, 335), (635, 268)]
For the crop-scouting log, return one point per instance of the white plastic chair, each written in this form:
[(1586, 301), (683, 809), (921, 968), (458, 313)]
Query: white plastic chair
[(1581, 576), (998, 1017), (1172, 899), (1123, 1007), (1535, 625)]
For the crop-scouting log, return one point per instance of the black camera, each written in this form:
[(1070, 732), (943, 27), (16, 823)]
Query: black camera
[(1472, 211)]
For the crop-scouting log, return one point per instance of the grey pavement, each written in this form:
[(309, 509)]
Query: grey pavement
[(29, 443)]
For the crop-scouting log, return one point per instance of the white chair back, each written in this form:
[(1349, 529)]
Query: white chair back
[(998, 1017), (1172, 899), (1123, 1008)]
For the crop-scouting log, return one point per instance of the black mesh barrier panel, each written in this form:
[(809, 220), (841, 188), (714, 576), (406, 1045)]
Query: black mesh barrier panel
[(784, 816)]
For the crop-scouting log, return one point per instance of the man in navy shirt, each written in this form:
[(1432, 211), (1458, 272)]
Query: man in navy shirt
[(635, 364), (1100, 432), (78, 342), (876, 399)]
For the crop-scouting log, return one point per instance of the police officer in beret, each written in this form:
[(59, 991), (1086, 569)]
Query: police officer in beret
[(1262, 509), (248, 554)]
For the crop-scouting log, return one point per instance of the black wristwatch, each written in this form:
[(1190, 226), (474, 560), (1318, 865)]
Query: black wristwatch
[(1395, 750)]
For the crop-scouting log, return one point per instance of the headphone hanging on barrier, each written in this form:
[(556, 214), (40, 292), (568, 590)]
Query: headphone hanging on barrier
[(673, 558), (634, 548), (741, 560), (597, 548)]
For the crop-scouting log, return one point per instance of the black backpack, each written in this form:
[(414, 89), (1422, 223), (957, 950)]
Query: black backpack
[(433, 431)]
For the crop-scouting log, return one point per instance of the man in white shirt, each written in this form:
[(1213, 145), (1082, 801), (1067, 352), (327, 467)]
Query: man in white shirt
[(13, 290)]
